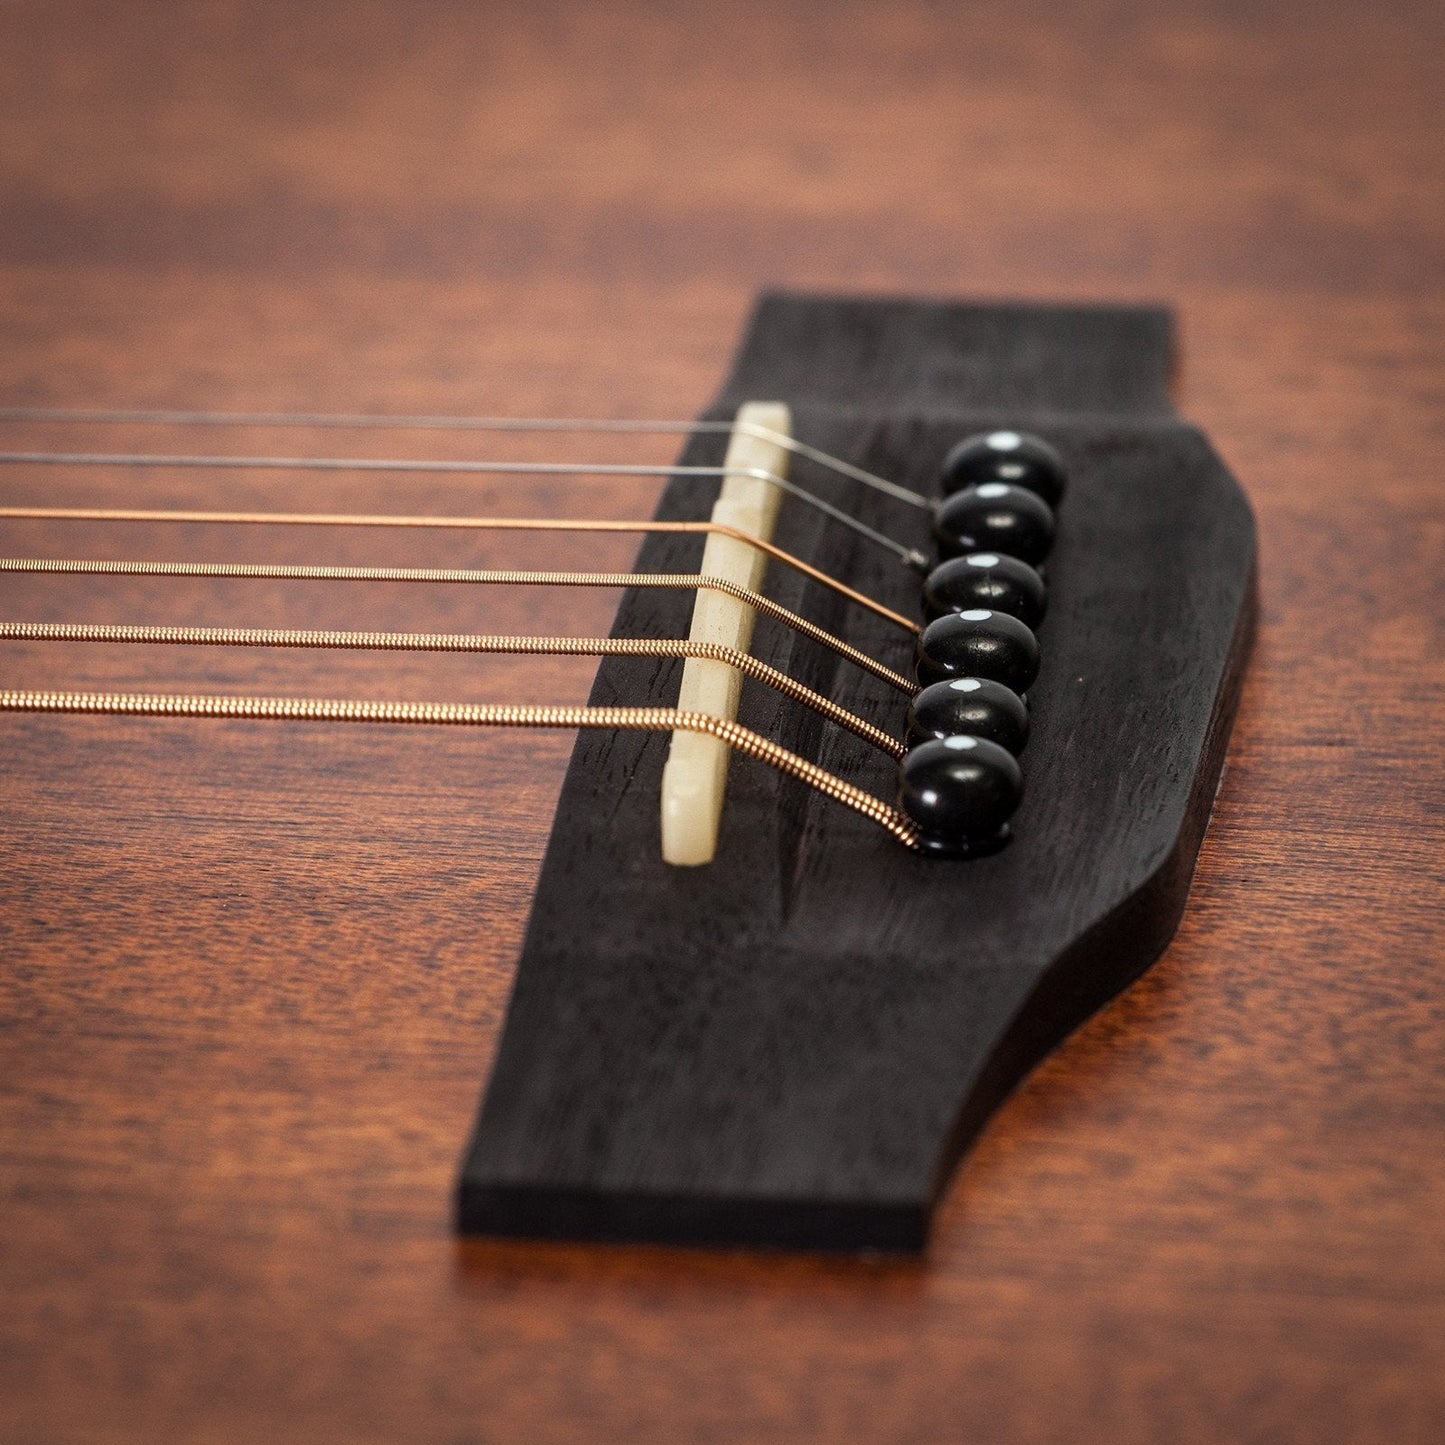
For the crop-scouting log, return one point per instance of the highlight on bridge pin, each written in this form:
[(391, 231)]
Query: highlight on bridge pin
[(975, 654)]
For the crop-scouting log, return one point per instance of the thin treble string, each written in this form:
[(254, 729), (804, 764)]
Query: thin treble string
[(360, 420), (508, 524), (909, 556), (687, 581)]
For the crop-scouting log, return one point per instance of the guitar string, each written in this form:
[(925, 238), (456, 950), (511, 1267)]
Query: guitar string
[(744, 662), (307, 573), (911, 557), (500, 715), (381, 421), (647, 719), (519, 524)]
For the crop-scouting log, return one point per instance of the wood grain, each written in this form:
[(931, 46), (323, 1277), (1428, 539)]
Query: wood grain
[(250, 994)]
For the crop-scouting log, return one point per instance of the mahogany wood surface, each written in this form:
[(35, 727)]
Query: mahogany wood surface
[(252, 974)]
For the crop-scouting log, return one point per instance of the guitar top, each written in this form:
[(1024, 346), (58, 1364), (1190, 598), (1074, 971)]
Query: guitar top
[(376, 1083)]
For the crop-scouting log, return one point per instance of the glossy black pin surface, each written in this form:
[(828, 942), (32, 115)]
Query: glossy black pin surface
[(978, 643), (961, 791), (791, 1047), (1006, 456), (986, 579), (995, 517), (973, 706)]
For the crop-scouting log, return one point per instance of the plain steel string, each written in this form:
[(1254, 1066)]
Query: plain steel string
[(358, 420)]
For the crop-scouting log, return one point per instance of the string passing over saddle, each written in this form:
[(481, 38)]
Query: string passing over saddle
[(964, 573)]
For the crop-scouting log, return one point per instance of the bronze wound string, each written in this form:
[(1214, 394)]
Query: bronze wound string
[(744, 662), (507, 524), (646, 719), (911, 557), (308, 573)]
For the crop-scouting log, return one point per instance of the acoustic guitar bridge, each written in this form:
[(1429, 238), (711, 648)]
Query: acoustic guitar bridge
[(791, 1046)]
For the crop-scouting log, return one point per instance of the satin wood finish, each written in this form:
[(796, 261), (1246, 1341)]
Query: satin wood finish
[(246, 1009)]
